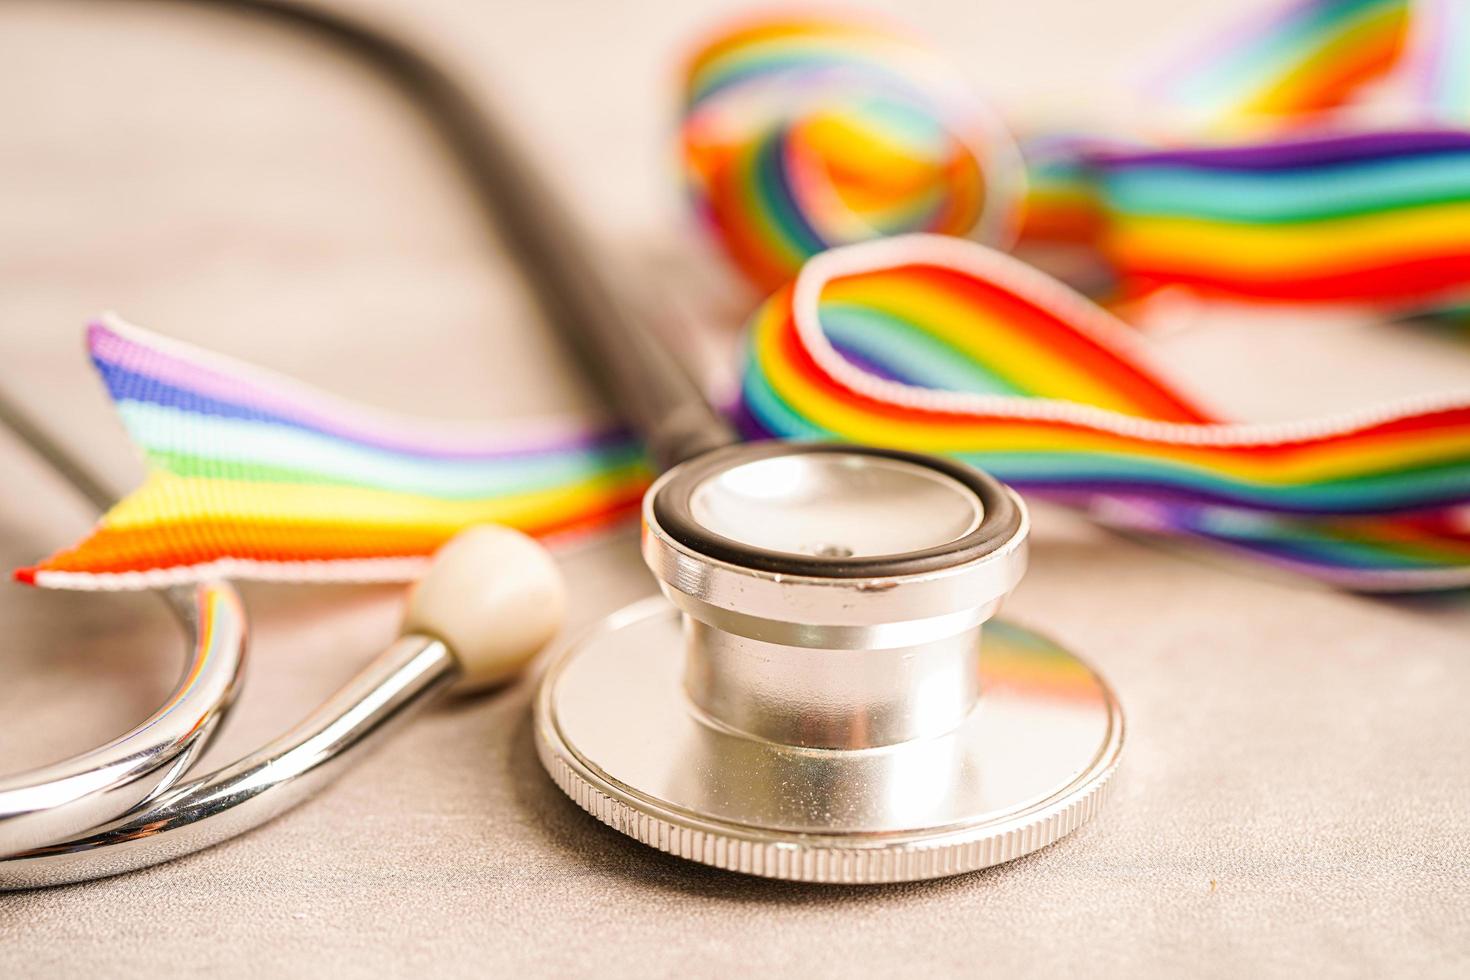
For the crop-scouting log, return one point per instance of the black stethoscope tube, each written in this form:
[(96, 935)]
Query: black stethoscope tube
[(640, 379)]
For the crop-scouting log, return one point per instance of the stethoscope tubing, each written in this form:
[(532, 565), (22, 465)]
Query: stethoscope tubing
[(390, 690), (68, 797)]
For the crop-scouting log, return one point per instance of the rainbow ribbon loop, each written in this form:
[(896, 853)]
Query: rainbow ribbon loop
[(800, 134), (939, 345)]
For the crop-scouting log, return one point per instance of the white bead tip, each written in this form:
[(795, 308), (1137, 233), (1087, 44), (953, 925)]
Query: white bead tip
[(495, 596)]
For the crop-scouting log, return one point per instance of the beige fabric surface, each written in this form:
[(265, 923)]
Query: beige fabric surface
[(1295, 792)]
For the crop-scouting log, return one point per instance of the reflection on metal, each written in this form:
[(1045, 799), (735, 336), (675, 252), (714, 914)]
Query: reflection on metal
[(618, 732), (71, 796)]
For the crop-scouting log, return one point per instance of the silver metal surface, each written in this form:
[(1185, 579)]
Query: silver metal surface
[(820, 726), (832, 662), (69, 797), (289, 770), (830, 698), (1029, 764), (855, 613), (836, 506)]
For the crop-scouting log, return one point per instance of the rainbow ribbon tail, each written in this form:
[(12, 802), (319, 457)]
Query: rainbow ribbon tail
[(254, 475), (935, 344)]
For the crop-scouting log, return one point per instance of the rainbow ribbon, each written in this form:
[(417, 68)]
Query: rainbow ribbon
[(800, 135), (1286, 64), (803, 133), (1380, 219), (252, 475), (1337, 209), (940, 345), (1063, 204)]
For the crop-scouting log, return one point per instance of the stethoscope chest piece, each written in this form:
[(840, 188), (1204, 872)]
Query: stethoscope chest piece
[(813, 697)]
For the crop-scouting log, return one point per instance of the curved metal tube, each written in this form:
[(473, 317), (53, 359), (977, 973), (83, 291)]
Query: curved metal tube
[(111, 808), (239, 797), (68, 797)]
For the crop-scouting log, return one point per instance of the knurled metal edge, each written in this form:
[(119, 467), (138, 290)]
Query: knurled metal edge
[(862, 863)]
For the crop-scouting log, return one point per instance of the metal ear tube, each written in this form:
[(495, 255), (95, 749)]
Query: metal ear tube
[(490, 600)]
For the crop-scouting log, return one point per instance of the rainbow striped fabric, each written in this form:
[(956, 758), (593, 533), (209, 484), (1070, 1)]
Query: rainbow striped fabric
[(1287, 63), (1063, 203), (252, 475), (940, 345), (925, 342), (1376, 218), (802, 133), (1339, 208)]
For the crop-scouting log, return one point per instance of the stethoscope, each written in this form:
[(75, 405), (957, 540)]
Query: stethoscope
[(809, 699), (489, 602)]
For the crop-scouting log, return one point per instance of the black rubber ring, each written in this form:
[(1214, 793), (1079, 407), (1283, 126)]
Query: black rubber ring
[(1000, 521)]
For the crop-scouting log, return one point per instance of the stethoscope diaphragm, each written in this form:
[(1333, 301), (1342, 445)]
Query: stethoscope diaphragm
[(813, 697)]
